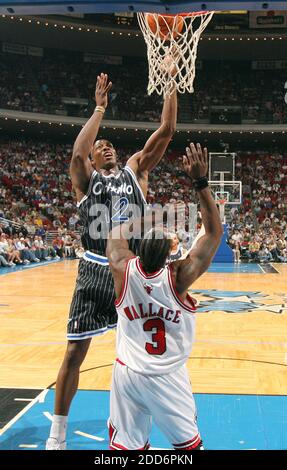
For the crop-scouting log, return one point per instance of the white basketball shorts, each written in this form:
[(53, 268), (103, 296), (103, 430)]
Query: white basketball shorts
[(138, 399)]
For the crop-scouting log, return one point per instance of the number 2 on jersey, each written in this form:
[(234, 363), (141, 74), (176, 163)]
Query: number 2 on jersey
[(158, 345), (120, 207)]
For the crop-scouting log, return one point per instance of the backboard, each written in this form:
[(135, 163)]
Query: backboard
[(22, 7), (221, 165)]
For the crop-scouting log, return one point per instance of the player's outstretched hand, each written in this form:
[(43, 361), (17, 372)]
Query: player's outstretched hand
[(169, 66), (195, 162), (102, 89), (169, 63)]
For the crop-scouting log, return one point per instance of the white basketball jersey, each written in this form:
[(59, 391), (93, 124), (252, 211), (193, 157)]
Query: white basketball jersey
[(155, 328)]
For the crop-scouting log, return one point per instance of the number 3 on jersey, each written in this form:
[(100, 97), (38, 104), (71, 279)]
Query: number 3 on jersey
[(158, 345)]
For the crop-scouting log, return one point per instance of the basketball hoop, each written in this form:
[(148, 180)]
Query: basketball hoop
[(221, 201), (172, 42)]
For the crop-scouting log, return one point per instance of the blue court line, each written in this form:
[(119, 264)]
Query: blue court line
[(214, 268), (235, 268), (229, 422), (24, 267)]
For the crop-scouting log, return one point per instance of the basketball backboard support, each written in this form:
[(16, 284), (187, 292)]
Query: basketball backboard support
[(21, 7)]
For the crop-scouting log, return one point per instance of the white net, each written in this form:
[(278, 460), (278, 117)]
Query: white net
[(172, 49)]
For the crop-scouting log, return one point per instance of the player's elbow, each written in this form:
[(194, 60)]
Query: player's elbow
[(113, 258), (76, 163), (109, 249), (77, 159), (220, 230), (218, 236), (214, 235), (217, 232), (167, 129)]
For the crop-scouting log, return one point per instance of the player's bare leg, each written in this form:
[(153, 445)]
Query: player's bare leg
[(66, 387), (68, 376)]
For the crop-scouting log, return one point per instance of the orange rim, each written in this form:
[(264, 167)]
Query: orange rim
[(195, 13)]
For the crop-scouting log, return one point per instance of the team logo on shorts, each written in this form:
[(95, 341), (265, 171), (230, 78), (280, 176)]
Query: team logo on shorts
[(148, 288), (239, 301)]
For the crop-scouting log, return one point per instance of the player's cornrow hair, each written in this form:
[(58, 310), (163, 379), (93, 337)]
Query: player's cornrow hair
[(154, 250)]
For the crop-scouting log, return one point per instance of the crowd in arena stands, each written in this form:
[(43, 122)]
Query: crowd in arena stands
[(259, 246), (18, 87), (61, 82), (36, 194), (259, 229), (260, 93), (35, 180), (17, 247)]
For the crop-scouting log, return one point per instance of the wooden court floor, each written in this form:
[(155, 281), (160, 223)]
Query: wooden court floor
[(238, 349)]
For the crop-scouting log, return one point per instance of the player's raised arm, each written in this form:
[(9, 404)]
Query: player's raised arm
[(144, 161), (81, 167), (118, 253), (199, 258)]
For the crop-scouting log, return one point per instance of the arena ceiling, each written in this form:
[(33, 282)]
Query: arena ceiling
[(111, 6)]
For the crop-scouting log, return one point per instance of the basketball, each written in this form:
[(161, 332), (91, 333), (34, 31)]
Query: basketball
[(165, 25)]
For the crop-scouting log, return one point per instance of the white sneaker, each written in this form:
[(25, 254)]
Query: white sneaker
[(37, 260), (48, 258), (26, 261), (54, 444), (57, 257)]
